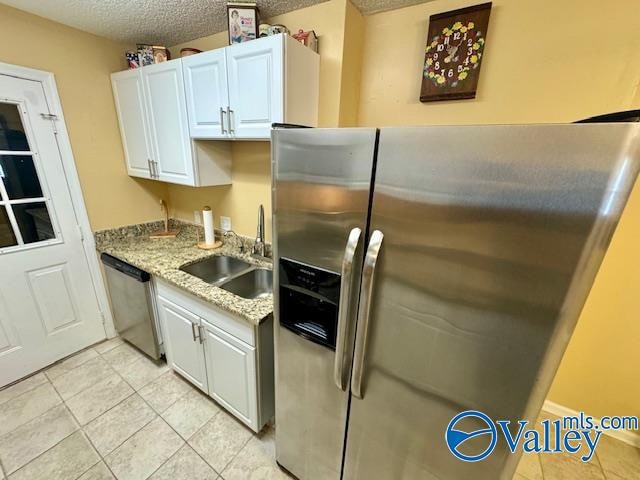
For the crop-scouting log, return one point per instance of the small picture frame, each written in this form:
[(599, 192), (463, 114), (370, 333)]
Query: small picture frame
[(242, 19), (160, 54)]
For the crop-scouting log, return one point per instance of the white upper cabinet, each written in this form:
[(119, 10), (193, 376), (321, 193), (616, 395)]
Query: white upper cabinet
[(269, 80), (129, 98), (167, 113), (256, 87), (207, 93), (154, 125)]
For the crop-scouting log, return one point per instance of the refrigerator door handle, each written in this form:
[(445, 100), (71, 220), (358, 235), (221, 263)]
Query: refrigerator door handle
[(343, 307), (368, 271)]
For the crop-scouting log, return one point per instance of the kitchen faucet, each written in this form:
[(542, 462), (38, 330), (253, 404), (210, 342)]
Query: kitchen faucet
[(258, 249)]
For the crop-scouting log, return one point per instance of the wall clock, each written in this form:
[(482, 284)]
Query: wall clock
[(453, 54)]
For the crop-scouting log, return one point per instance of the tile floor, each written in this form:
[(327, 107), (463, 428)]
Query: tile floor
[(109, 412)]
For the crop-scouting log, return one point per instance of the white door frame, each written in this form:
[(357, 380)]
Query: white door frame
[(48, 82)]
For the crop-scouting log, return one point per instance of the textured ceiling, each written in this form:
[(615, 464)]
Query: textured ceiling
[(164, 22)]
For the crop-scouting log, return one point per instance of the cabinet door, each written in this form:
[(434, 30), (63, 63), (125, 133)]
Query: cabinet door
[(167, 117), (182, 341), (231, 372), (129, 98), (205, 83), (255, 74)]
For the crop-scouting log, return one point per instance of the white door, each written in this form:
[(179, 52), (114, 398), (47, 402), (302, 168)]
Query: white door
[(255, 74), (205, 83), (167, 118), (231, 371), (48, 306), (129, 98), (182, 341)]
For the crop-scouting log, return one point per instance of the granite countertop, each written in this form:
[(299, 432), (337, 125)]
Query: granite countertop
[(163, 257)]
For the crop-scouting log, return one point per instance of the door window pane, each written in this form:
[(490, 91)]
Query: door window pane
[(7, 238), (12, 136), (19, 176), (34, 221)]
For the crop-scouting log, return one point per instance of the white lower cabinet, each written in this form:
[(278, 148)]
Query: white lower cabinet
[(182, 341), (231, 373), (221, 354)]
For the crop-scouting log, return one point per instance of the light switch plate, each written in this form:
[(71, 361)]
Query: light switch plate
[(225, 223), (197, 217)]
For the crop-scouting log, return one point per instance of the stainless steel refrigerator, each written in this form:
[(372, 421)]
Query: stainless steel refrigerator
[(421, 272)]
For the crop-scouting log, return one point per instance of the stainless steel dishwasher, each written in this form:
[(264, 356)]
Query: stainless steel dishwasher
[(133, 304)]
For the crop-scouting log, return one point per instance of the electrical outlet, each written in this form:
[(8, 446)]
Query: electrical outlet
[(225, 223), (197, 217)]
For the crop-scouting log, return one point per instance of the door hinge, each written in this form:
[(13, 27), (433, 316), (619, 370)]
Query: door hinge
[(53, 117), (80, 232)]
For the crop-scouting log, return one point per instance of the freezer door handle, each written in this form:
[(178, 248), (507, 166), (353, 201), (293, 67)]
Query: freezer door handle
[(368, 271), (343, 307)]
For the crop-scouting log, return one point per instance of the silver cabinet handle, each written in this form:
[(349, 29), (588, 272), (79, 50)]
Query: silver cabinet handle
[(231, 121), (201, 332), (368, 271), (193, 332), (343, 307), (155, 168), (222, 113), (150, 167)]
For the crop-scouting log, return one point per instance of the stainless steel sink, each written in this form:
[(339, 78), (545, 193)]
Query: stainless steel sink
[(215, 270), (257, 283)]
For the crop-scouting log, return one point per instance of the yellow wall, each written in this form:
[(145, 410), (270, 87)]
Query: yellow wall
[(545, 61), (251, 187), (251, 160), (82, 63)]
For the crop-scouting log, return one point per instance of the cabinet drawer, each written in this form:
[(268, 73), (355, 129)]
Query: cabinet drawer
[(237, 327)]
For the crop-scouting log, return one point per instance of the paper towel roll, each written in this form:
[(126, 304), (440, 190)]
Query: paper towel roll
[(207, 220)]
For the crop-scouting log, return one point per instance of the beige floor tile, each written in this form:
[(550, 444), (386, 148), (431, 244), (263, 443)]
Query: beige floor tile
[(70, 363), (67, 460), (529, 466), (107, 345), (112, 428), (27, 406), (98, 472), (26, 442), (21, 387), (220, 440), (122, 355), (517, 476), (165, 390), (190, 412), (142, 371), (561, 466), (185, 465), (257, 460), (82, 377), (97, 399), (618, 458), (142, 454)]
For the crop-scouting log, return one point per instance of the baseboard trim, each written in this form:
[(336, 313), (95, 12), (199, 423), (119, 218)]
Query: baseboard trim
[(626, 436)]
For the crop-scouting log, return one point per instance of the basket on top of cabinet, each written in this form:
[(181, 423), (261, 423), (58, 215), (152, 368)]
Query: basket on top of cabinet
[(231, 93)]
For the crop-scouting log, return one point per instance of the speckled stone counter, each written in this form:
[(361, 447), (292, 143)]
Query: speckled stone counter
[(163, 258)]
